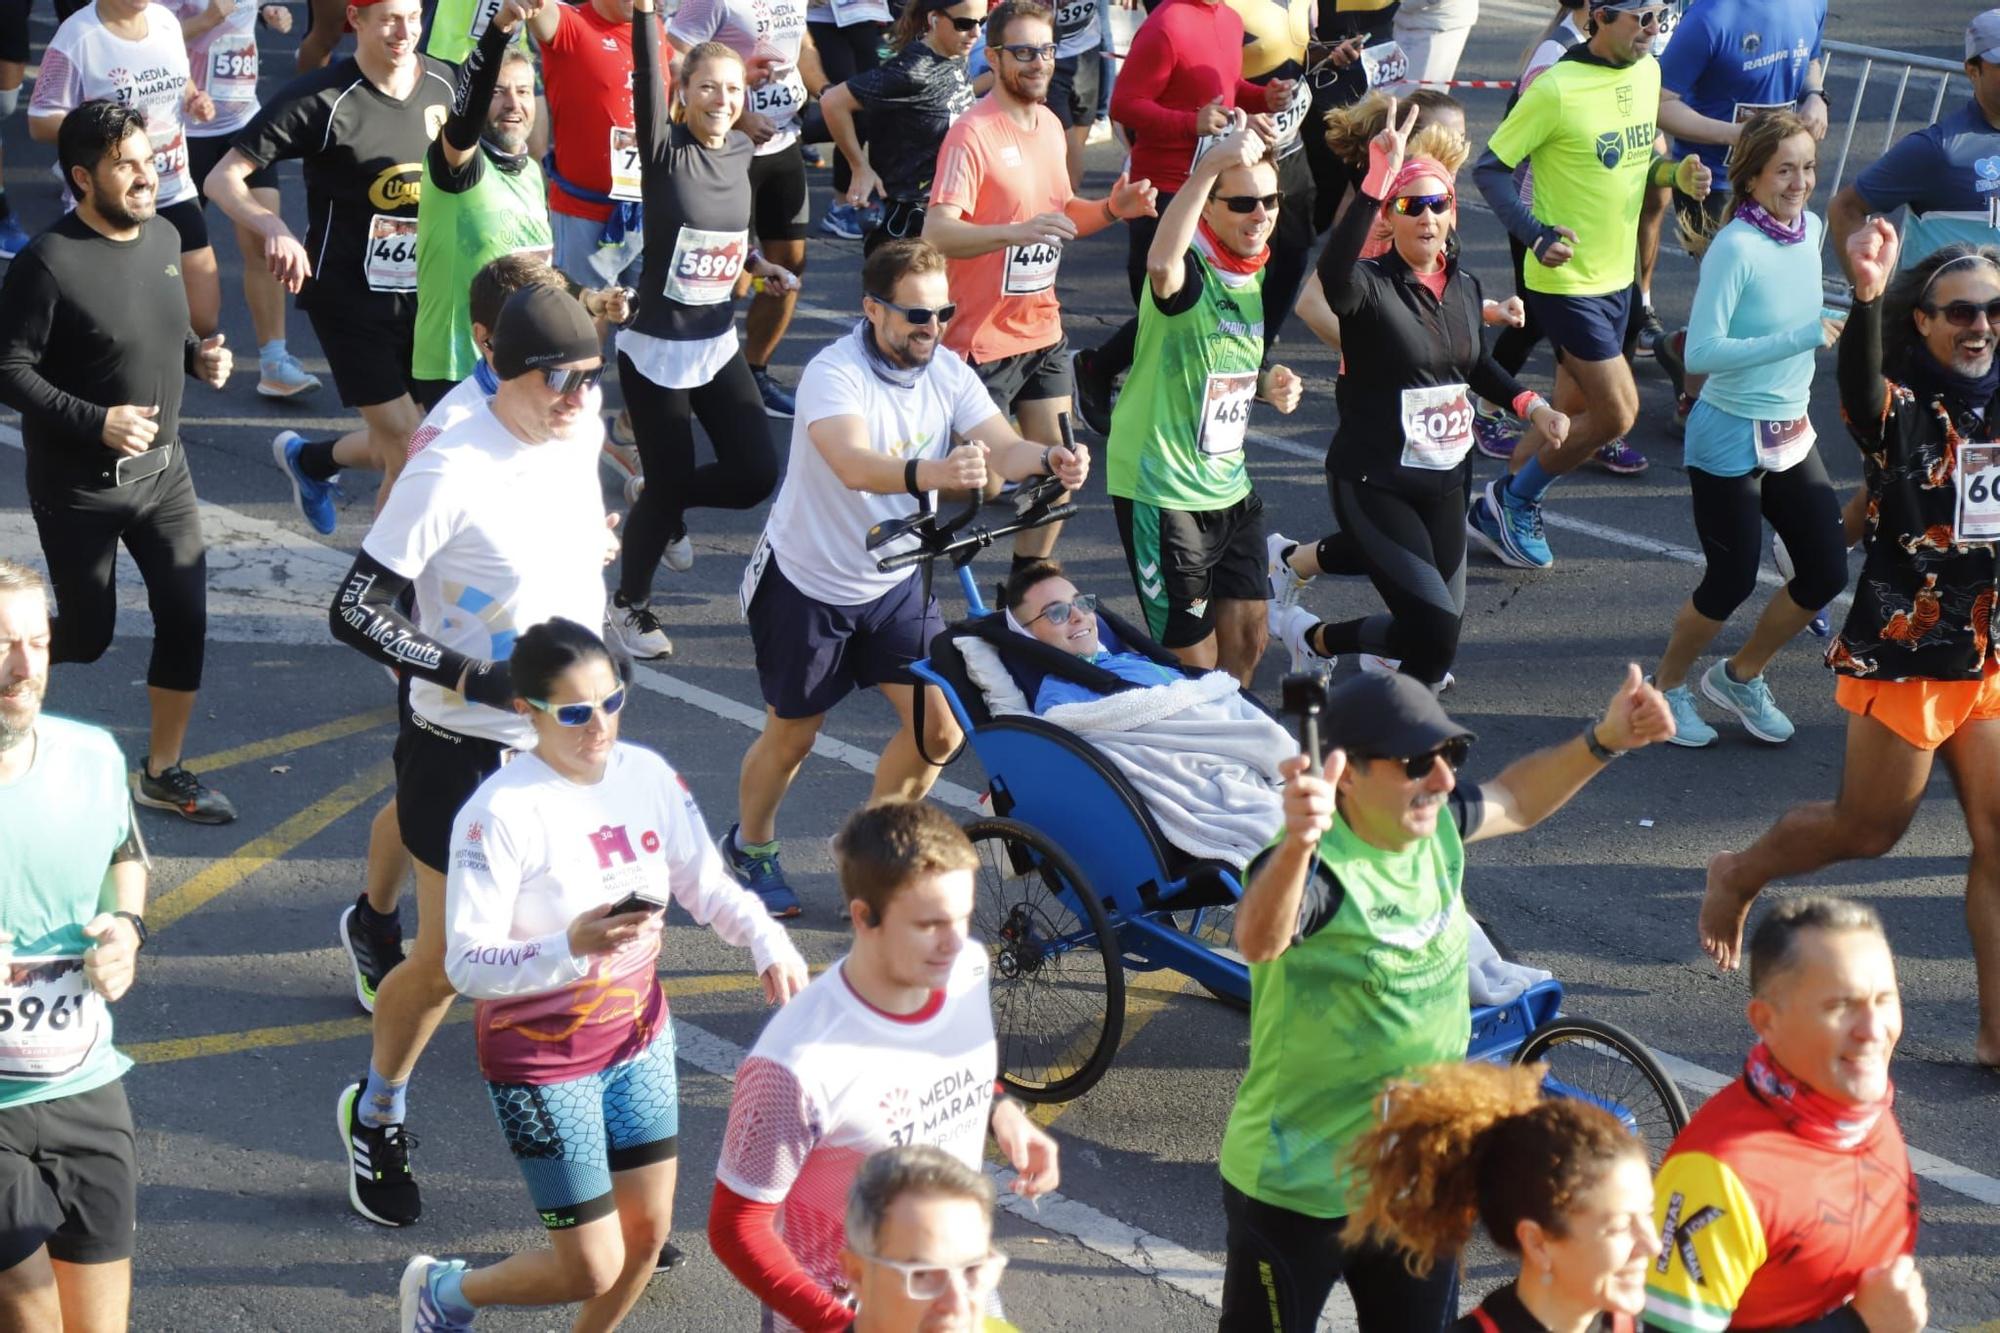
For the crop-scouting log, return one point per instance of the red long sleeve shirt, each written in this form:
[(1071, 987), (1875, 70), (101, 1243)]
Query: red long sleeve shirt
[(1185, 55)]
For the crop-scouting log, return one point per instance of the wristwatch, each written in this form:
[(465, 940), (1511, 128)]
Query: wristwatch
[(138, 925), (1603, 753)]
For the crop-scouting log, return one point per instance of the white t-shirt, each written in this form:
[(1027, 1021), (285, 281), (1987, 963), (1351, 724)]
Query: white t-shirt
[(530, 851), (833, 1079), (755, 28), (86, 62), (223, 63), (497, 536), (818, 527)]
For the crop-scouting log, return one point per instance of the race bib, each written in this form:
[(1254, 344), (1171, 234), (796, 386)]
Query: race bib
[(780, 99), (1744, 111), (391, 263), (1292, 117), (753, 573), (1225, 411), (1978, 517), (1437, 427), (1031, 268), (625, 181), (232, 71), (172, 160), (50, 1018), (482, 14), (1383, 63), (1783, 444), (1073, 16), (705, 265)]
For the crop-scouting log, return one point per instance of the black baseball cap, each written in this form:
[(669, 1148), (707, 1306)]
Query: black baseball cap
[(1387, 717), (541, 327)]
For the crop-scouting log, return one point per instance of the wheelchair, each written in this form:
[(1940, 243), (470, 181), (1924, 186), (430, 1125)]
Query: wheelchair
[(1077, 886)]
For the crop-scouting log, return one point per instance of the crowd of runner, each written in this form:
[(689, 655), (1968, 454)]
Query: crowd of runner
[(504, 200)]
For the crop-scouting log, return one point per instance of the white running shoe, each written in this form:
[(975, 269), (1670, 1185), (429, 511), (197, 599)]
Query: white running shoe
[(1378, 665), (638, 631), (1289, 626), (679, 555), (1286, 585)]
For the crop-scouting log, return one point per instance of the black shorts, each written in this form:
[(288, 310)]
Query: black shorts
[(810, 655), (1184, 561), (436, 773), (1589, 328), (779, 208), (205, 150), (370, 358), (69, 1178), (1028, 377), (190, 222), (901, 219), (14, 31), (429, 393), (1073, 89)]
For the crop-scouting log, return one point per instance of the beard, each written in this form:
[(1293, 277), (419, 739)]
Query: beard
[(16, 727), (1016, 86), (911, 353), (509, 139), (123, 215)]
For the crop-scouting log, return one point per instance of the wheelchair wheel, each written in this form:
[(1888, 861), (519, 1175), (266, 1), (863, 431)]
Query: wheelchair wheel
[(1057, 980), (1608, 1067)]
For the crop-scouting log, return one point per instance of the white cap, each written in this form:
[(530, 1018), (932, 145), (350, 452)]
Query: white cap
[(1982, 37)]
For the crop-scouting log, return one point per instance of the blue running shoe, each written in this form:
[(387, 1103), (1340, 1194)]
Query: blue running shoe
[(778, 400), (13, 237), (1495, 433), (422, 1311), (1510, 530), (1620, 458), (1690, 728), (760, 873), (844, 221), (314, 498), (1751, 701)]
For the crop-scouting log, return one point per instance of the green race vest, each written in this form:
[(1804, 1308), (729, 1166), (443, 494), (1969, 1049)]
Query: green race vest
[(457, 235), (1379, 990), (1177, 433), (456, 26)]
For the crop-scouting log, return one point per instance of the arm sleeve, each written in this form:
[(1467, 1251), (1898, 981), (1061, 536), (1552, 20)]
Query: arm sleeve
[(649, 90), (1711, 1245), (364, 617), (473, 96), (701, 884), (1495, 179), (744, 1236), (1135, 96), (482, 957), (1904, 174), (1864, 394), (1348, 288), (1724, 273), (28, 298), (961, 170)]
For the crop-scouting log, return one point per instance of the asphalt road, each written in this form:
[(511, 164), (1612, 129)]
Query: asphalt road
[(246, 1027)]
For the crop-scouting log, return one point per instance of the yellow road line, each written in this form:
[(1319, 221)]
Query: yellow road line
[(1146, 995), (339, 1029), (292, 740), (225, 873)]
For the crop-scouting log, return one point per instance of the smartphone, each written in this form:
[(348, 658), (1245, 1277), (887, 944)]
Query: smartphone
[(636, 902)]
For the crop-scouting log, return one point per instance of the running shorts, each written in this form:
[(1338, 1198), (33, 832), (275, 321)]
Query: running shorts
[(1589, 328), (187, 219), (69, 1178), (811, 655), (1073, 89), (1926, 713), (1028, 377), (437, 770), (370, 358), (14, 31), (779, 208), (1183, 561), (570, 1138), (205, 150)]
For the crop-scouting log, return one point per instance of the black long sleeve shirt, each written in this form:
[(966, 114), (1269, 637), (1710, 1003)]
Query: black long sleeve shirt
[(88, 323)]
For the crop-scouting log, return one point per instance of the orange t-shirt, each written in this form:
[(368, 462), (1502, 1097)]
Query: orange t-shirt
[(996, 173)]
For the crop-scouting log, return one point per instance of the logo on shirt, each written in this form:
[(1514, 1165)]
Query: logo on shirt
[(608, 842), (1751, 41), (1678, 1236), (474, 831), (1623, 96), (399, 186), (649, 841), (1613, 145)]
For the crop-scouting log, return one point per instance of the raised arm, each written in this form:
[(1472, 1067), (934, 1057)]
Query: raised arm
[(1166, 258), (1864, 394), (1267, 919), (649, 90)]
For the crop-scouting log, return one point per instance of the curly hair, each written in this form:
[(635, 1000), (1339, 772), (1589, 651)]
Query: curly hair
[(1908, 291), (1349, 128), (1477, 1142)]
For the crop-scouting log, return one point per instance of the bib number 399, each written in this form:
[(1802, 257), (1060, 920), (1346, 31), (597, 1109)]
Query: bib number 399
[(50, 1018), (1225, 412), (1978, 493)]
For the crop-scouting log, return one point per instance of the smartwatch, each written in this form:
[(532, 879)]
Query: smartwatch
[(138, 925)]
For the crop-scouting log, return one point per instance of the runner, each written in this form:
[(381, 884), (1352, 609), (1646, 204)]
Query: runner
[(586, 52), (1919, 674), (909, 103), (1588, 115), (920, 1254), (1075, 79), (360, 127), (1180, 80), (1397, 469), (769, 36), (500, 528), (681, 359), (847, 35), (889, 418), (72, 886), (1750, 451), (131, 52), (222, 53), (1001, 211), (1788, 1201), (94, 344), (562, 867), (1353, 923), (892, 1045), (1192, 527)]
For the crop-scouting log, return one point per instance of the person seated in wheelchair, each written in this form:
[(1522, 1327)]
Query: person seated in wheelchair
[(1042, 603)]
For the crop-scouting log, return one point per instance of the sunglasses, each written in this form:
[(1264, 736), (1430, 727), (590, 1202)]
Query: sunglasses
[(927, 1282), (1058, 613), (567, 382), (579, 715), (1412, 205), (1960, 314), (961, 24), (1247, 203), (1648, 18), (1031, 55), (1418, 767), (920, 314)]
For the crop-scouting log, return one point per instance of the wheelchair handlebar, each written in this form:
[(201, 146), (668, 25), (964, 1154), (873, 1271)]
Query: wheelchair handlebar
[(947, 543)]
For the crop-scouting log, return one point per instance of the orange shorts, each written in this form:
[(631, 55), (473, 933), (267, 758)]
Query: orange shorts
[(1926, 713)]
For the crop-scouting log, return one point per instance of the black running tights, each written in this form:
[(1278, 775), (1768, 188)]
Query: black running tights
[(1413, 551)]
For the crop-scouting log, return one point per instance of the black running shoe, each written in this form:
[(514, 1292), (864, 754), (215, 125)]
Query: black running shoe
[(182, 792), (379, 1182), (670, 1258), (373, 947)]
